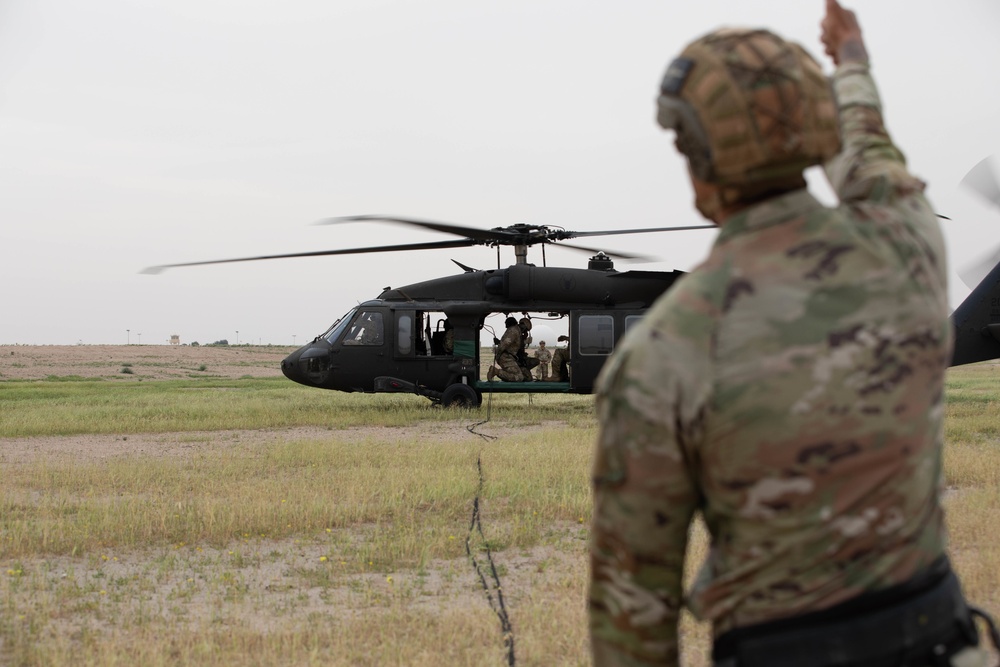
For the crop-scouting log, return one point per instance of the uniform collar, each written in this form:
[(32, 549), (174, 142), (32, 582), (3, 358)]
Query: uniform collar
[(769, 212)]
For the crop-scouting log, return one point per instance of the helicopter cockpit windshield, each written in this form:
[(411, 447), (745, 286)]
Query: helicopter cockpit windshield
[(337, 328)]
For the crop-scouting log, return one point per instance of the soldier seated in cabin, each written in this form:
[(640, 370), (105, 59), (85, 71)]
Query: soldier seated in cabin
[(560, 362)]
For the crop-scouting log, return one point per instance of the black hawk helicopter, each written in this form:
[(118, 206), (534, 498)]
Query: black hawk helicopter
[(397, 341)]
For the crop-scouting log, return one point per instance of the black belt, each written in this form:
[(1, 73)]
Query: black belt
[(922, 622)]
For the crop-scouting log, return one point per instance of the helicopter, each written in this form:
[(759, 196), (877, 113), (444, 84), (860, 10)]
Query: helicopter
[(398, 342)]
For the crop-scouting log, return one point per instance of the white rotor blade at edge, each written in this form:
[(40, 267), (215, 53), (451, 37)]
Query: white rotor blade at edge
[(983, 181), (973, 274)]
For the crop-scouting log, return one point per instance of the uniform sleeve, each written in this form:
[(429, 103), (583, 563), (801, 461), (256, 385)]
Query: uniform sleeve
[(644, 500), (869, 167), (510, 342)]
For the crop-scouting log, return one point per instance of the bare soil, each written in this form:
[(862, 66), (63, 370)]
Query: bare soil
[(148, 362)]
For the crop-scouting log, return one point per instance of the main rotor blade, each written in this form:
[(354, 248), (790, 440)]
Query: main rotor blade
[(609, 253), (983, 181), (322, 253), (610, 232), (512, 235), (482, 235)]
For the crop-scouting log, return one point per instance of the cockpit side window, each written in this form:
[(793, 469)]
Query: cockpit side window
[(333, 333), (365, 330)]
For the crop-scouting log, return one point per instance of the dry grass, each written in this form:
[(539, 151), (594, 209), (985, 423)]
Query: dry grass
[(336, 550)]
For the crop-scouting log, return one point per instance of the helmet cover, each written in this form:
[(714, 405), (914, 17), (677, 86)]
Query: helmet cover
[(749, 108)]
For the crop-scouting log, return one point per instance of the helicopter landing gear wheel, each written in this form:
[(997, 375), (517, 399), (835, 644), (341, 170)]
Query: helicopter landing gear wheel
[(460, 396)]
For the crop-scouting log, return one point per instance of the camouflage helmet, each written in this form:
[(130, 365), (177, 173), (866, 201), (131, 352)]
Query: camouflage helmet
[(525, 324), (749, 108)]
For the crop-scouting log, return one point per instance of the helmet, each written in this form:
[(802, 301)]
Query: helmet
[(751, 110), (525, 323)]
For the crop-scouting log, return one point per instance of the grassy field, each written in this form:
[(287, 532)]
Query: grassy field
[(252, 521)]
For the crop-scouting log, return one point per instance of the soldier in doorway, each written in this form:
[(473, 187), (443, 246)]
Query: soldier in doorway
[(510, 350), (560, 361), (544, 357)]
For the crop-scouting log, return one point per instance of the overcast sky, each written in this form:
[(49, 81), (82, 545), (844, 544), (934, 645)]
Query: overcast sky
[(144, 132)]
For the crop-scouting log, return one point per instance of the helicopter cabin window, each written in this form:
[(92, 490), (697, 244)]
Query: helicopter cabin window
[(435, 336), (597, 334), (631, 321), (365, 330), (404, 333)]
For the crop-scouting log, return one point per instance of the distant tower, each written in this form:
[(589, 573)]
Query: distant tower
[(175, 339)]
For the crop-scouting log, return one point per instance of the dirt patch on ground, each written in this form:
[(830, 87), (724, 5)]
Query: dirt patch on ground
[(99, 447), (147, 362)]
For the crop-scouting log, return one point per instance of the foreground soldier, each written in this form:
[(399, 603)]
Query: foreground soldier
[(789, 388)]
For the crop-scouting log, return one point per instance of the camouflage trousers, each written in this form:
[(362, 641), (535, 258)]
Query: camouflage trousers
[(560, 365), (510, 370)]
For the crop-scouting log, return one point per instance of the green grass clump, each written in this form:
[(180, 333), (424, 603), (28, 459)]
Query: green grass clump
[(49, 408)]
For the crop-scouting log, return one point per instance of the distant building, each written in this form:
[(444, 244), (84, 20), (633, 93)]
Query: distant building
[(175, 339)]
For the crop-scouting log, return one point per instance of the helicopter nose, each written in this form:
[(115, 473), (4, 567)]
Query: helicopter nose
[(309, 365)]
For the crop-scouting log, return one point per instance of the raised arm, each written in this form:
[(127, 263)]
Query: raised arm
[(870, 167)]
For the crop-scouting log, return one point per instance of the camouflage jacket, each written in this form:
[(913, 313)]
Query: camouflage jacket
[(789, 389), (512, 341)]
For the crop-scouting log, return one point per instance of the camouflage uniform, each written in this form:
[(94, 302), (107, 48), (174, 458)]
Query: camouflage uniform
[(560, 361), (544, 356), (508, 353), (790, 389)]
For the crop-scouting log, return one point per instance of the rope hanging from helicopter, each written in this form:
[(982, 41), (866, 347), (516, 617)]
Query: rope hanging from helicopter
[(486, 570)]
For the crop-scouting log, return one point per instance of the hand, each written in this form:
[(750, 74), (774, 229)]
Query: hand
[(841, 34)]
